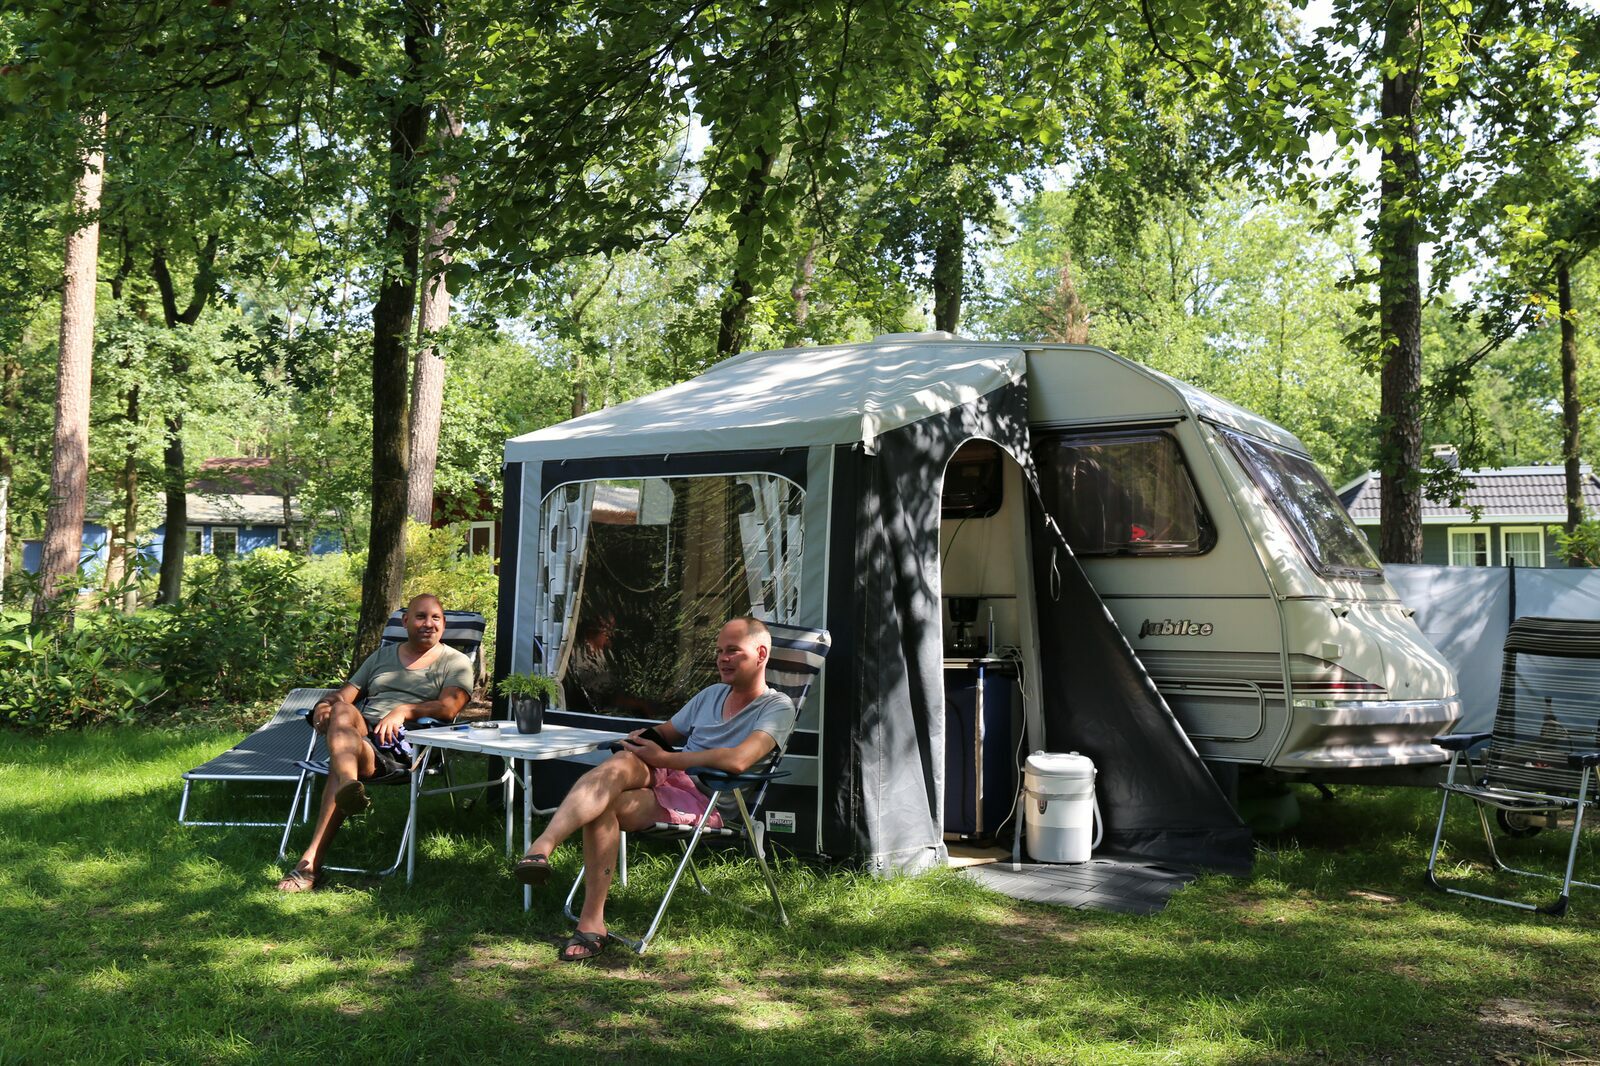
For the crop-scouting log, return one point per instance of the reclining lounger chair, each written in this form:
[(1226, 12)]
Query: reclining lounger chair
[(797, 656), (463, 631), (267, 756), (1538, 762)]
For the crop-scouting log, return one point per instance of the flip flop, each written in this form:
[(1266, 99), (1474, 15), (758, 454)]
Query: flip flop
[(351, 798), (582, 946), (299, 879), (532, 869)]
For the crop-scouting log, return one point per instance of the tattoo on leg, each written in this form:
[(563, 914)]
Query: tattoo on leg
[(606, 872)]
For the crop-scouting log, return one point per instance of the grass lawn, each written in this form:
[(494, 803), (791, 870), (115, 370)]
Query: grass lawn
[(124, 937)]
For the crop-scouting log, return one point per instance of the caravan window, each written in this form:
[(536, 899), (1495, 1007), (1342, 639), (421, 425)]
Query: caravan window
[(1122, 493), (635, 577), (1306, 503)]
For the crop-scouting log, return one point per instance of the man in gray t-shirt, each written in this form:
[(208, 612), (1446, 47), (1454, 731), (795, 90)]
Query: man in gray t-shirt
[(365, 720), (729, 726)]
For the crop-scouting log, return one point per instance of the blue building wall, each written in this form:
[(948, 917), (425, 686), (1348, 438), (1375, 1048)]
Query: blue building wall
[(152, 548)]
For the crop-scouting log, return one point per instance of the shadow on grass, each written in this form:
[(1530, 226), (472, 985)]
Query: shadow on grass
[(172, 944)]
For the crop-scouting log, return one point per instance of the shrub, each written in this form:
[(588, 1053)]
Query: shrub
[(435, 563), (107, 667), (250, 628)]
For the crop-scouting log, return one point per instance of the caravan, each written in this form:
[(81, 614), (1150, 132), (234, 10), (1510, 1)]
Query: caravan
[(1014, 547), (1255, 604)]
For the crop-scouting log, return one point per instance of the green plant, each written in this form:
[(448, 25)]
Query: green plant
[(435, 563), (1583, 542), (529, 686)]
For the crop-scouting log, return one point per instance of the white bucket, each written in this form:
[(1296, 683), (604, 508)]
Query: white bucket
[(1061, 812)]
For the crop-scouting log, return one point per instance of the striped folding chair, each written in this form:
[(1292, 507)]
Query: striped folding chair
[(1535, 767), (796, 662)]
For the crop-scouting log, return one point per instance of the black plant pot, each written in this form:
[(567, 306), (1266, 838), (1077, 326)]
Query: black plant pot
[(528, 712)]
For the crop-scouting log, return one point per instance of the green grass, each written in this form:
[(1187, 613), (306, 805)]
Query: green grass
[(124, 937)]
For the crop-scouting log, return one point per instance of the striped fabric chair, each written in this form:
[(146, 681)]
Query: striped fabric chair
[(1537, 764), (796, 662), (463, 631)]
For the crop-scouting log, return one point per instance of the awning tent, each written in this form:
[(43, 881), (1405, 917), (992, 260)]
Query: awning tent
[(840, 454)]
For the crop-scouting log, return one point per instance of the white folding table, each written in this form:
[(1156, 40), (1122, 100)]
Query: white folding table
[(503, 741)]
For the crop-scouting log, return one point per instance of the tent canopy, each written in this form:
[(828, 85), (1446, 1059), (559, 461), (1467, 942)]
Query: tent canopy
[(793, 398)]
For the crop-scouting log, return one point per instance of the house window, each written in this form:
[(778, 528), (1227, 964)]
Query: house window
[(1522, 546), (480, 538), (225, 541), (192, 544), (1469, 547)]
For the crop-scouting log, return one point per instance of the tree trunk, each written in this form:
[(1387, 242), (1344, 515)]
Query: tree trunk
[(751, 225), (801, 290), (427, 383), (1400, 299), (948, 263), (1571, 409), (5, 540), (174, 478), (122, 552), (10, 372), (69, 461), (384, 579), (173, 464)]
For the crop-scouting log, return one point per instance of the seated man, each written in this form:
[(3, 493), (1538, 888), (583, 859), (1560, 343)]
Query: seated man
[(729, 726), (365, 722)]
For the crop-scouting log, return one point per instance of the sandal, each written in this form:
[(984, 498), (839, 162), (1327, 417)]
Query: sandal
[(351, 798), (532, 869), (582, 946), (300, 879)]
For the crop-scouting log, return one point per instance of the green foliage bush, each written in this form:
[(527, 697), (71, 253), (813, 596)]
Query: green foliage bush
[(105, 668), (1583, 541), (434, 563), (250, 628)]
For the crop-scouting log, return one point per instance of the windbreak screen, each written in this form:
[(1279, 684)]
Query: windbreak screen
[(639, 574)]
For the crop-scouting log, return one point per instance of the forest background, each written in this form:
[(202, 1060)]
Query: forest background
[(372, 240)]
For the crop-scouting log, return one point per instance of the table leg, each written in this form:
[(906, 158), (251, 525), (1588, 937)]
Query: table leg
[(527, 824), (508, 791), (411, 817)]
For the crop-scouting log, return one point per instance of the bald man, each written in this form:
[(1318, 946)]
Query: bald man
[(730, 726), (365, 722)]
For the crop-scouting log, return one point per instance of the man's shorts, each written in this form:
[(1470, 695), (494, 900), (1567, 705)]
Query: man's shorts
[(683, 803), (392, 759)]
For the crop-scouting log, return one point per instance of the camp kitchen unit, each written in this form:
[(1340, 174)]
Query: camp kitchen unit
[(1014, 547)]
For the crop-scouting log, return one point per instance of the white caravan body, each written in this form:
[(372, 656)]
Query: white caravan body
[(1265, 622)]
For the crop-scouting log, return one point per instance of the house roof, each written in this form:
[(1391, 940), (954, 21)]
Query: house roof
[(1536, 494), (250, 475), (246, 509)]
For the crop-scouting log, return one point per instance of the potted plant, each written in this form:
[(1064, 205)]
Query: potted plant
[(530, 695)]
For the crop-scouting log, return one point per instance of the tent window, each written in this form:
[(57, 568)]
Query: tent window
[(1125, 493), (1306, 503), (639, 574)]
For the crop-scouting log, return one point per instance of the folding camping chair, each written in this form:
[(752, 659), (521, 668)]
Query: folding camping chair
[(797, 656), (463, 631), (1537, 763)]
